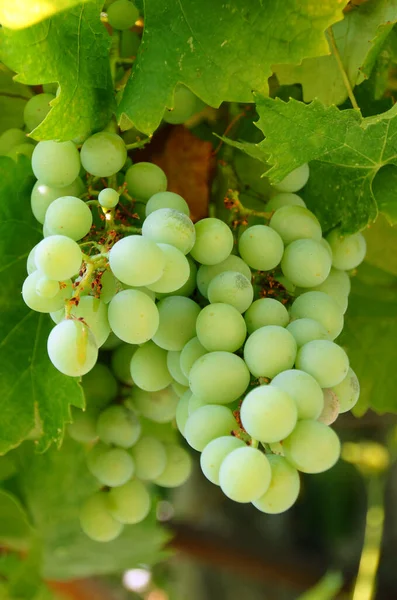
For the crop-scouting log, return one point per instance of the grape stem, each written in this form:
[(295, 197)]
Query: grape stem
[(254, 443), (139, 143), (233, 203), (128, 229), (83, 284)]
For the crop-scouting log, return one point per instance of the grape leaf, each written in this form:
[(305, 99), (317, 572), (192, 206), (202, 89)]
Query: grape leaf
[(359, 39), (209, 46), (33, 393), (71, 48), (67, 552), (23, 13), (15, 529)]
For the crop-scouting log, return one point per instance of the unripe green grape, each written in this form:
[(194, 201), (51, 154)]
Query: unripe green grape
[(221, 327), (133, 316), (306, 263), (56, 164), (320, 307), (219, 377), (188, 287), (347, 251), (114, 467), (43, 195), (150, 458), (58, 315), (112, 342), (109, 286), (149, 369), (215, 452), (182, 411), (68, 216), (268, 413), (265, 311), (325, 361), (137, 261), (30, 263), (347, 391), (174, 367), (96, 521), (206, 273), (179, 389), (176, 270), (72, 348), (261, 247), (284, 487), (231, 287), (119, 426), (177, 322), (108, 198), (337, 285), (50, 88), (94, 312), (312, 447), (145, 179), (122, 14), (47, 288), (295, 180), (39, 303), (330, 411), (194, 403), (190, 353), (168, 226), (25, 149), (185, 105), (129, 503), (167, 200), (58, 257), (36, 109), (177, 469), (269, 350), (103, 154), (207, 423), (304, 391), (83, 427), (214, 241), (295, 223), (245, 474), (11, 138), (284, 199), (120, 362), (306, 330), (159, 406), (100, 387)]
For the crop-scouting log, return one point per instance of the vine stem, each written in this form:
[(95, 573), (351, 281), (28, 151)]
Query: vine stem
[(342, 69), (127, 229), (139, 144)]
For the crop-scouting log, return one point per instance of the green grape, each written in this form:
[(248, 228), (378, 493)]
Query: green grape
[(11, 138), (47, 288), (174, 367), (103, 154), (159, 406), (108, 198), (114, 467), (168, 226), (347, 251), (221, 327), (306, 263), (100, 387), (122, 14), (320, 307), (56, 164), (294, 223), (94, 453), (68, 216), (36, 109), (149, 458), (269, 350), (130, 503), (109, 286), (137, 261), (191, 351), (207, 423), (206, 273), (118, 425), (245, 474), (30, 263), (337, 285), (58, 257), (312, 447), (58, 315), (25, 149), (177, 469), (185, 105), (325, 361), (306, 330), (43, 195), (120, 362), (182, 411), (145, 179), (304, 390), (179, 389), (83, 427), (215, 452), (176, 270), (177, 316), (250, 173), (265, 311), (194, 403), (94, 312), (330, 412), (167, 200), (188, 287), (261, 247), (347, 391), (219, 377), (50, 88), (40, 303), (214, 241), (231, 287), (72, 348), (133, 316), (129, 44), (295, 180), (268, 414), (284, 487), (284, 199), (149, 369), (96, 521), (112, 342)]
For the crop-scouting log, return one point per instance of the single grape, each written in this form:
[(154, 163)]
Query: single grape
[(31, 263), (114, 467), (137, 261), (167, 200), (174, 367), (149, 369), (215, 452), (40, 303), (11, 138), (25, 149), (190, 353), (176, 270), (100, 387), (306, 330), (50, 88), (43, 195), (284, 487), (284, 199), (325, 361), (306, 263), (265, 311), (221, 327), (304, 390), (179, 389), (149, 458), (337, 285), (108, 198), (245, 474), (208, 423), (177, 469), (320, 307), (133, 316), (214, 241), (72, 348), (168, 226), (219, 377), (206, 273), (58, 257), (269, 350), (159, 406), (120, 362), (261, 247), (122, 14), (295, 180), (185, 105), (94, 313), (231, 287), (36, 109), (47, 288), (94, 453), (347, 251), (182, 411), (347, 391), (83, 427), (56, 164), (112, 342), (68, 216), (58, 315), (145, 179), (109, 286), (312, 447), (96, 521), (188, 287), (268, 414), (295, 223), (330, 411), (103, 154), (118, 425), (194, 403), (177, 316)]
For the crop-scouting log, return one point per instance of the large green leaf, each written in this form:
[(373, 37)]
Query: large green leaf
[(222, 51), (33, 393), (70, 48), (359, 39), (23, 13)]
